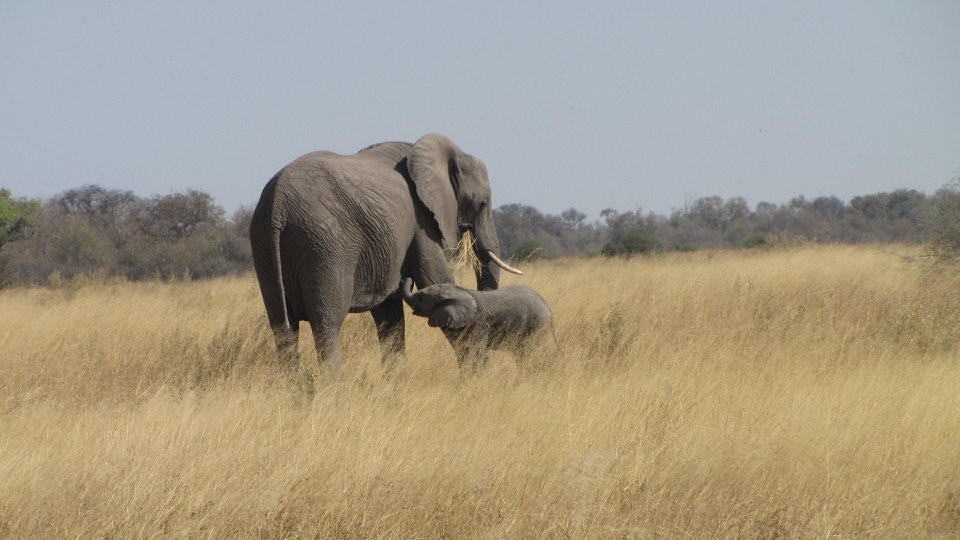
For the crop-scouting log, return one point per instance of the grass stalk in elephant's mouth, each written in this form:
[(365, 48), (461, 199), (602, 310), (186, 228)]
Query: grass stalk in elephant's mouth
[(465, 256)]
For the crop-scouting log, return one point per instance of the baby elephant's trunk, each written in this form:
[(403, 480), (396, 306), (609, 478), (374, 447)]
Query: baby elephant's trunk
[(406, 289)]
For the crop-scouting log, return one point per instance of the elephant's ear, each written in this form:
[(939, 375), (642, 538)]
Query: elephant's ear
[(433, 167), (455, 309)]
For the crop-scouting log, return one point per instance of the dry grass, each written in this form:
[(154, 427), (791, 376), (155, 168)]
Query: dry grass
[(809, 393)]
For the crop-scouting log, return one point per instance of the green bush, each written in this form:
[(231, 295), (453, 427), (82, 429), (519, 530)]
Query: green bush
[(754, 240), (632, 241), (16, 216), (529, 249), (944, 222)]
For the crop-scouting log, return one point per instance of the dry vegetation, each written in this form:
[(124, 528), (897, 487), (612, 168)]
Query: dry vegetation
[(810, 392)]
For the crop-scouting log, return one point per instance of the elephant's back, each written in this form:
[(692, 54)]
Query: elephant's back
[(323, 184), (345, 215), (386, 159), (332, 187), (325, 174), (537, 311)]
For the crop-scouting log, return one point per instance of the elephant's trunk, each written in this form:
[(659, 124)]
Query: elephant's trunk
[(407, 289), (486, 249)]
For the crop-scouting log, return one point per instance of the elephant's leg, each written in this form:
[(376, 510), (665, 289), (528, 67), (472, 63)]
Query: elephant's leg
[(328, 293), (284, 335), (326, 337), (474, 359), (390, 330), (470, 348), (286, 340)]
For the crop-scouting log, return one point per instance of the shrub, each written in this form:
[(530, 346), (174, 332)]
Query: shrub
[(751, 241), (16, 216), (632, 241), (944, 222), (529, 249)]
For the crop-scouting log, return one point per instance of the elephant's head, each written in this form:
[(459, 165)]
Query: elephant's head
[(454, 186), (446, 305)]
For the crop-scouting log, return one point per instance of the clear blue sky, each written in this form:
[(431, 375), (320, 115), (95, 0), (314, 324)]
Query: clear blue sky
[(613, 104)]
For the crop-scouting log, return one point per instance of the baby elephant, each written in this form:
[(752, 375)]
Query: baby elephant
[(512, 318)]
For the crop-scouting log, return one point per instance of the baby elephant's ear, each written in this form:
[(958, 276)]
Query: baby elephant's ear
[(455, 311)]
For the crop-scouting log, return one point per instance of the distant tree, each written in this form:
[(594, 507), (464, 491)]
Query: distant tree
[(735, 220), (751, 241), (76, 248), (236, 245), (944, 222), (707, 222), (96, 231), (634, 241), (179, 215), (110, 212), (573, 218), (873, 207), (629, 234), (515, 222), (908, 212), (563, 235), (765, 211), (16, 216), (898, 216), (830, 207), (529, 249), (93, 200), (188, 234)]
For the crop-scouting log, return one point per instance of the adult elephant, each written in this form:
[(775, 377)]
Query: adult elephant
[(334, 234)]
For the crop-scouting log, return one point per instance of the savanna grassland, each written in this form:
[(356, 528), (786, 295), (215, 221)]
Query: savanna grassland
[(809, 392)]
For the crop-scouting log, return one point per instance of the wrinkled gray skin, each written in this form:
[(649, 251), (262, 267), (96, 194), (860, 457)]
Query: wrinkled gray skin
[(512, 318), (334, 234)]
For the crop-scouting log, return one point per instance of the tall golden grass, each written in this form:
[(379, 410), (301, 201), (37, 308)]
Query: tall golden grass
[(811, 392)]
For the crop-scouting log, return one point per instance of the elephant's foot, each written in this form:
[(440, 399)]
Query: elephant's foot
[(288, 355), (330, 362), (390, 332)]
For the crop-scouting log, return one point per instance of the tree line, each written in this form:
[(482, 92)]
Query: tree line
[(98, 232), (904, 215)]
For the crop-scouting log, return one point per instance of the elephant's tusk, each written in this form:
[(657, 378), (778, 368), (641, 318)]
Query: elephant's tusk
[(502, 264)]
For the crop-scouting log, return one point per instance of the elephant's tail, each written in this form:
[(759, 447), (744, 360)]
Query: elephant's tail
[(278, 274)]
